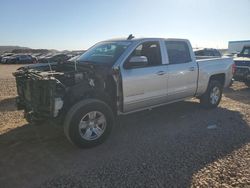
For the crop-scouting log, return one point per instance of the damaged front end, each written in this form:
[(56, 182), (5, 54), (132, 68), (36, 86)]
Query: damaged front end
[(48, 91), (40, 94)]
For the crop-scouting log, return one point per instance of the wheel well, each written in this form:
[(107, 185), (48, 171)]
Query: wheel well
[(91, 94), (97, 95), (218, 77), (101, 95)]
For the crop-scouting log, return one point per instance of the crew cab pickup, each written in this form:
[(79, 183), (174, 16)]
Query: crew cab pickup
[(242, 63), (117, 77)]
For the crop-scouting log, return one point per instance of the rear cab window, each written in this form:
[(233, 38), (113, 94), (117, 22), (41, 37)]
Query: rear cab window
[(178, 52)]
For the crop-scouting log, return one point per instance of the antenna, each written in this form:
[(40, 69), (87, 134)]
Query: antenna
[(130, 37)]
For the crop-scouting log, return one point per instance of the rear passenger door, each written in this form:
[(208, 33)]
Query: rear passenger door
[(182, 70)]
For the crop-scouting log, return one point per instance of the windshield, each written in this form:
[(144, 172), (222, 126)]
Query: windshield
[(245, 51), (105, 52)]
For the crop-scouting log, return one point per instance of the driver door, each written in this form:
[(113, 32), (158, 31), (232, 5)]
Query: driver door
[(144, 86)]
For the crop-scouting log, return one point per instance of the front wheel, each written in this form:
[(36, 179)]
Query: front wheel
[(212, 97), (88, 123)]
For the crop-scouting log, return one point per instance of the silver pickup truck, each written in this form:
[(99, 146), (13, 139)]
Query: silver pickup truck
[(118, 77)]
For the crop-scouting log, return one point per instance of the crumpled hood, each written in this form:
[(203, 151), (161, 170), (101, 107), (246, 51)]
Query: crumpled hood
[(37, 66), (67, 69)]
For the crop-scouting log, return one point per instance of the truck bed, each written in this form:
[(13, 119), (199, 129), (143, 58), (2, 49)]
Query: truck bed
[(211, 66)]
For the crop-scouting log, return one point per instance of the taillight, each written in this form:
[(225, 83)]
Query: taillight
[(233, 68)]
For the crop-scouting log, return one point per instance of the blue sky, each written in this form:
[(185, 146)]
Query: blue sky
[(78, 24)]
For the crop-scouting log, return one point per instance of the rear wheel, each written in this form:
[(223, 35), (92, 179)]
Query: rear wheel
[(212, 97), (88, 123)]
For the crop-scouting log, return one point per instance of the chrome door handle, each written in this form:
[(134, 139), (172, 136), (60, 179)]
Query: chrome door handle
[(160, 73), (191, 69)]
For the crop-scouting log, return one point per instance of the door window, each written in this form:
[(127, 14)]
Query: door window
[(151, 50)]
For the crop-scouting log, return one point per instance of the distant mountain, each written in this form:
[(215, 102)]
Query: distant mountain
[(26, 50), (10, 48), (20, 49)]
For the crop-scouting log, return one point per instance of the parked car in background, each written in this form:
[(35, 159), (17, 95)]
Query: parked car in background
[(207, 53), (235, 47), (19, 59), (57, 58), (242, 62), (118, 77), (5, 57)]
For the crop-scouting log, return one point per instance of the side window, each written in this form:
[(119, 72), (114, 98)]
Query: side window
[(151, 50), (178, 52)]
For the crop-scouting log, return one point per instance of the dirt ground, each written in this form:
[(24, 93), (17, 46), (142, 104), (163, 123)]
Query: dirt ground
[(179, 145)]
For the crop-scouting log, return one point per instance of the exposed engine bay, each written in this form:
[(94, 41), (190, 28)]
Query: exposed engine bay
[(43, 90), (66, 75)]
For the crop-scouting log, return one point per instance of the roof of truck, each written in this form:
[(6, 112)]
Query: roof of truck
[(141, 39)]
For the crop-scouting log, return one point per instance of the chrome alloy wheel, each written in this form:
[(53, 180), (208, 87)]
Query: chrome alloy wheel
[(92, 125), (215, 95)]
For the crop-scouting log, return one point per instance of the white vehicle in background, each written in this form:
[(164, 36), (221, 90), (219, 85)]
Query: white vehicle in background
[(235, 47), (242, 62)]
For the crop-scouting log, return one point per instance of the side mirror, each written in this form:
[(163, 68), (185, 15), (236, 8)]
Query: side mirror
[(137, 61)]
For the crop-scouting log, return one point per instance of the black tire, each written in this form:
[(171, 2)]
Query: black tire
[(206, 99), (77, 112), (247, 84)]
